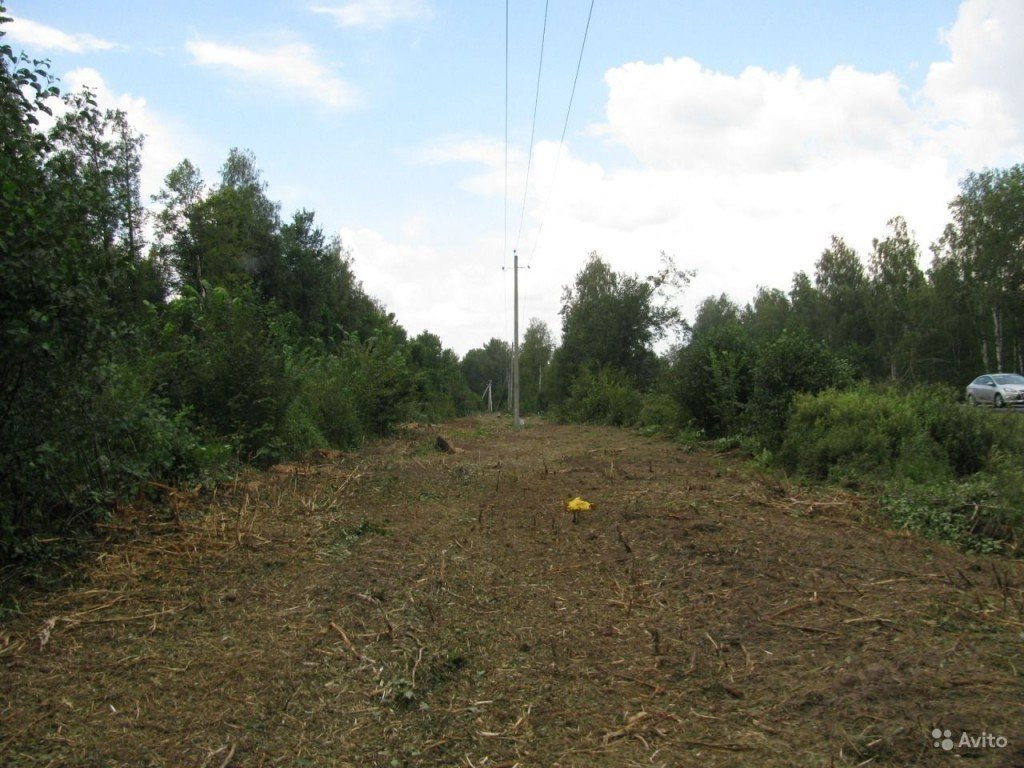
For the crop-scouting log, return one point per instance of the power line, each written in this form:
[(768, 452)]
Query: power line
[(533, 126), (504, 250), (561, 142)]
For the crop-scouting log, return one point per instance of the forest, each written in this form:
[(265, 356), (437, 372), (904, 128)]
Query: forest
[(149, 344)]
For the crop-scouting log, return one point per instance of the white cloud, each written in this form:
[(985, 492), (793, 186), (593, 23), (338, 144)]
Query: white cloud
[(977, 96), (291, 68), (450, 293), (487, 152), (37, 35), (744, 177), (375, 13), (676, 114)]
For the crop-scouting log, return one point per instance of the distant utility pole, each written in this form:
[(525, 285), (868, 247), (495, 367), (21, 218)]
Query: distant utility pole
[(515, 339)]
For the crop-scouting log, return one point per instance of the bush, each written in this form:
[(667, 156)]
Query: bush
[(952, 472), (712, 379), (100, 448), (847, 435), (660, 413), (790, 365), (324, 413), (605, 396), (224, 363)]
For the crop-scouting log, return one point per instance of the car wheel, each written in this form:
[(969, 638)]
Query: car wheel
[(997, 401), (971, 400)]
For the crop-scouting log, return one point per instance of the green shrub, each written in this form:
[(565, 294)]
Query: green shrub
[(965, 435), (965, 514), (324, 412), (659, 413), (845, 435), (377, 377), (605, 396), (712, 379), (224, 362), (952, 472), (791, 364)]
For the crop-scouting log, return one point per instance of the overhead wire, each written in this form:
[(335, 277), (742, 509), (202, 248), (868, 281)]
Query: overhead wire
[(504, 247), (504, 251), (561, 141), (533, 125)]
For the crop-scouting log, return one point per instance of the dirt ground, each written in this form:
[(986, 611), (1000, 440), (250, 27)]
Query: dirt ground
[(401, 606)]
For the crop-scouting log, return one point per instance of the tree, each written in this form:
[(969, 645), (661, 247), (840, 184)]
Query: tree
[(77, 427), (534, 359), (987, 237), (440, 391), (611, 319), (896, 284), (175, 249), (490, 364), (948, 325), (311, 277), (791, 364), (712, 373), (768, 316), (840, 280), (235, 227)]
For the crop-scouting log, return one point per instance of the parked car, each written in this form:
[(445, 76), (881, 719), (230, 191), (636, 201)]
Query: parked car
[(997, 390)]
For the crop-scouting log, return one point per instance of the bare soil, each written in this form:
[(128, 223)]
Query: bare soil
[(402, 606)]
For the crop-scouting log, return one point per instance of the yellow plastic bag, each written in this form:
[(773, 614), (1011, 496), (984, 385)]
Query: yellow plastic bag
[(578, 505)]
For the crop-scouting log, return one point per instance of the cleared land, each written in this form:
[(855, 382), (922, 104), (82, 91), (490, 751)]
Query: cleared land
[(406, 607)]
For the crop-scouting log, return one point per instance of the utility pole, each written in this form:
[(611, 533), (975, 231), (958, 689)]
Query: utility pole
[(515, 340)]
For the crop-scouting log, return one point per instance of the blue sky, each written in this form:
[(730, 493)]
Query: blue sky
[(735, 136)]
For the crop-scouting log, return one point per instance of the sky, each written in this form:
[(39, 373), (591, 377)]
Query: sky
[(735, 137)]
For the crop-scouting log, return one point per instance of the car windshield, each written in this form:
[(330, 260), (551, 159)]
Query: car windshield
[(1009, 378)]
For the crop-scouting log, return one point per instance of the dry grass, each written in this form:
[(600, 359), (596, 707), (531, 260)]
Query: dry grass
[(405, 607)]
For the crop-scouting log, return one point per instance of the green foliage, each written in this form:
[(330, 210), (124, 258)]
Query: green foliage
[(491, 363), (660, 413), (791, 364), (440, 390), (224, 364), (604, 396), (534, 363), (855, 434), (712, 377), (79, 427), (951, 471), (379, 380), (611, 320), (965, 514)]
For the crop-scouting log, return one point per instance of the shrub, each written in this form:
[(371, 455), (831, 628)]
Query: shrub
[(605, 396), (224, 363), (659, 413), (712, 379), (792, 364), (845, 435), (952, 472), (324, 413)]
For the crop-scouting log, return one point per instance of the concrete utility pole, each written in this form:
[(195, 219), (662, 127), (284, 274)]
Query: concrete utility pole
[(515, 340)]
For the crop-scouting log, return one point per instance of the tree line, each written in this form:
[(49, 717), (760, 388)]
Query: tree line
[(140, 350), (143, 350)]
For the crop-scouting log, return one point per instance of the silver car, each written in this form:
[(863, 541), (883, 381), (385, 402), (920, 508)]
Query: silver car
[(996, 389)]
